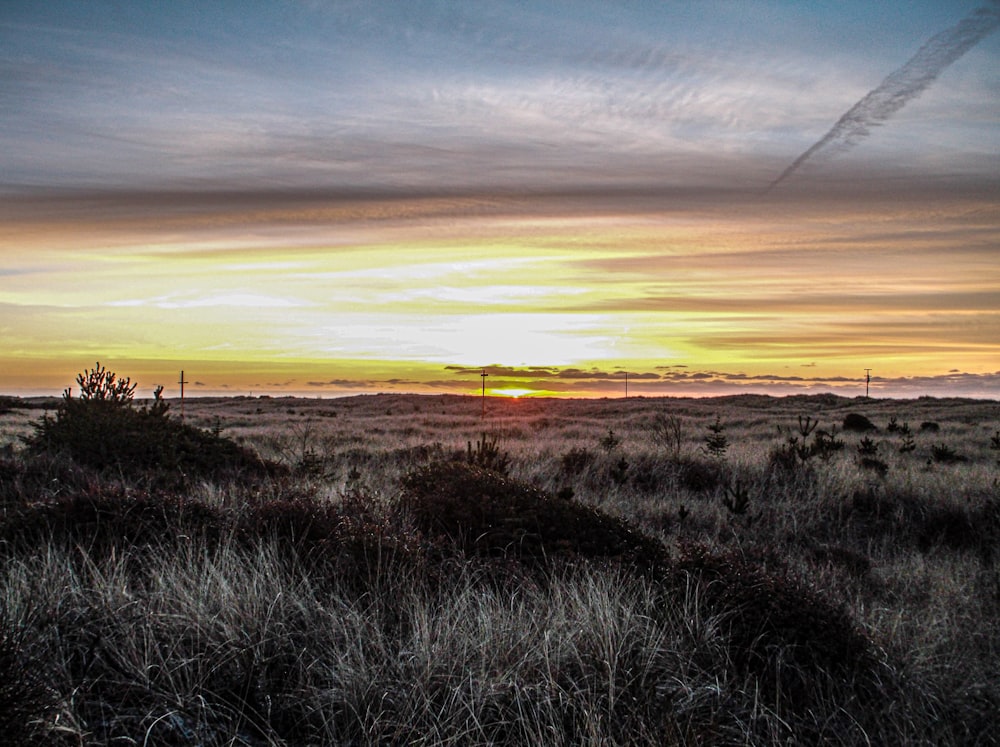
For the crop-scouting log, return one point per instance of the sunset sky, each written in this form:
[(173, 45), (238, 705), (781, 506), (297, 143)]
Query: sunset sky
[(325, 198)]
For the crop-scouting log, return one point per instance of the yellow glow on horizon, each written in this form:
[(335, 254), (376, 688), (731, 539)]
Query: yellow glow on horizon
[(394, 293), (513, 392)]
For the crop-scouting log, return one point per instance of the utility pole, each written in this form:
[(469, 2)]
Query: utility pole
[(182, 382), (484, 375), (868, 378)]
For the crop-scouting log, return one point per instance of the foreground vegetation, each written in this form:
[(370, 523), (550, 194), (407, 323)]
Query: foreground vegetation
[(395, 569)]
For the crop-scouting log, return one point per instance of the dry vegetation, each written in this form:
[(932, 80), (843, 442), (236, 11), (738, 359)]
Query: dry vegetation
[(394, 569)]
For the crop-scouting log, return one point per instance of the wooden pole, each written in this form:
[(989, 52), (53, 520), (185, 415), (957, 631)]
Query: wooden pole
[(182, 382), (868, 378), (484, 375)]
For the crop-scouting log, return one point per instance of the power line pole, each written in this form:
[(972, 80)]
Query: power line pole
[(182, 382), (484, 375), (868, 378)]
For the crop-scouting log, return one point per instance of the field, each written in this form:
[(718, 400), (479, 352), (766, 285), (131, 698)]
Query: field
[(399, 569)]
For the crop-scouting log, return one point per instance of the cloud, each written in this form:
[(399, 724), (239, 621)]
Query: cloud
[(903, 85)]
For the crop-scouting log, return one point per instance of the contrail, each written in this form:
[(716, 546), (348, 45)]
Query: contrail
[(903, 85)]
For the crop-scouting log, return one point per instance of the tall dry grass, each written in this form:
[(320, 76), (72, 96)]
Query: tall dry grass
[(844, 605)]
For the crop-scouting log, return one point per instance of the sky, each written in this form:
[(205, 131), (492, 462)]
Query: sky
[(329, 197)]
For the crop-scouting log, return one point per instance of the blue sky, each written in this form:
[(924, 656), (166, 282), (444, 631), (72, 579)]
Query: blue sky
[(430, 95)]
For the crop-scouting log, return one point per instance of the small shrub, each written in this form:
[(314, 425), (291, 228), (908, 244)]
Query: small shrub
[(875, 465), (700, 475), (619, 471), (610, 442), (944, 454), (826, 444), (867, 447), (575, 461), (667, 431), (716, 443), (737, 498), (908, 444), (857, 423), (487, 454), (929, 426), (963, 529)]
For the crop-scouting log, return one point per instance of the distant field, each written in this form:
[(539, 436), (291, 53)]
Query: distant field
[(643, 571)]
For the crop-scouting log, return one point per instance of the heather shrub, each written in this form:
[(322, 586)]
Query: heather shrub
[(107, 520), (787, 636), (354, 541), (41, 477), (487, 514)]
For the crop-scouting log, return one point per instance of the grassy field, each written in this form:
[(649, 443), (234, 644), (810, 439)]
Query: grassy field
[(398, 569)]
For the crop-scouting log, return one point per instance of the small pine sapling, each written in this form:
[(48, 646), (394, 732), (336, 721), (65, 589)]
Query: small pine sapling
[(716, 442), (737, 498), (488, 454), (610, 442)]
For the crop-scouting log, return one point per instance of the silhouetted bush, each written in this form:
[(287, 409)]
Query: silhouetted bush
[(487, 514), (944, 454), (102, 429), (858, 423)]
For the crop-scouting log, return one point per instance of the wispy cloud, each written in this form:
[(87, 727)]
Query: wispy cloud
[(902, 86)]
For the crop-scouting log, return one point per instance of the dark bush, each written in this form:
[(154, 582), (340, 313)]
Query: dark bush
[(944, 454), (575, 461), (487, 514), (102, 429), (858, 423), (701, 475), (929, 426), (874, 464), (975, 530), (785, 635), (109, 519), (40, 478)]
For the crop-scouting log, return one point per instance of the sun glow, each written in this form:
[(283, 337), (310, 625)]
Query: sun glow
[(515, 393)]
